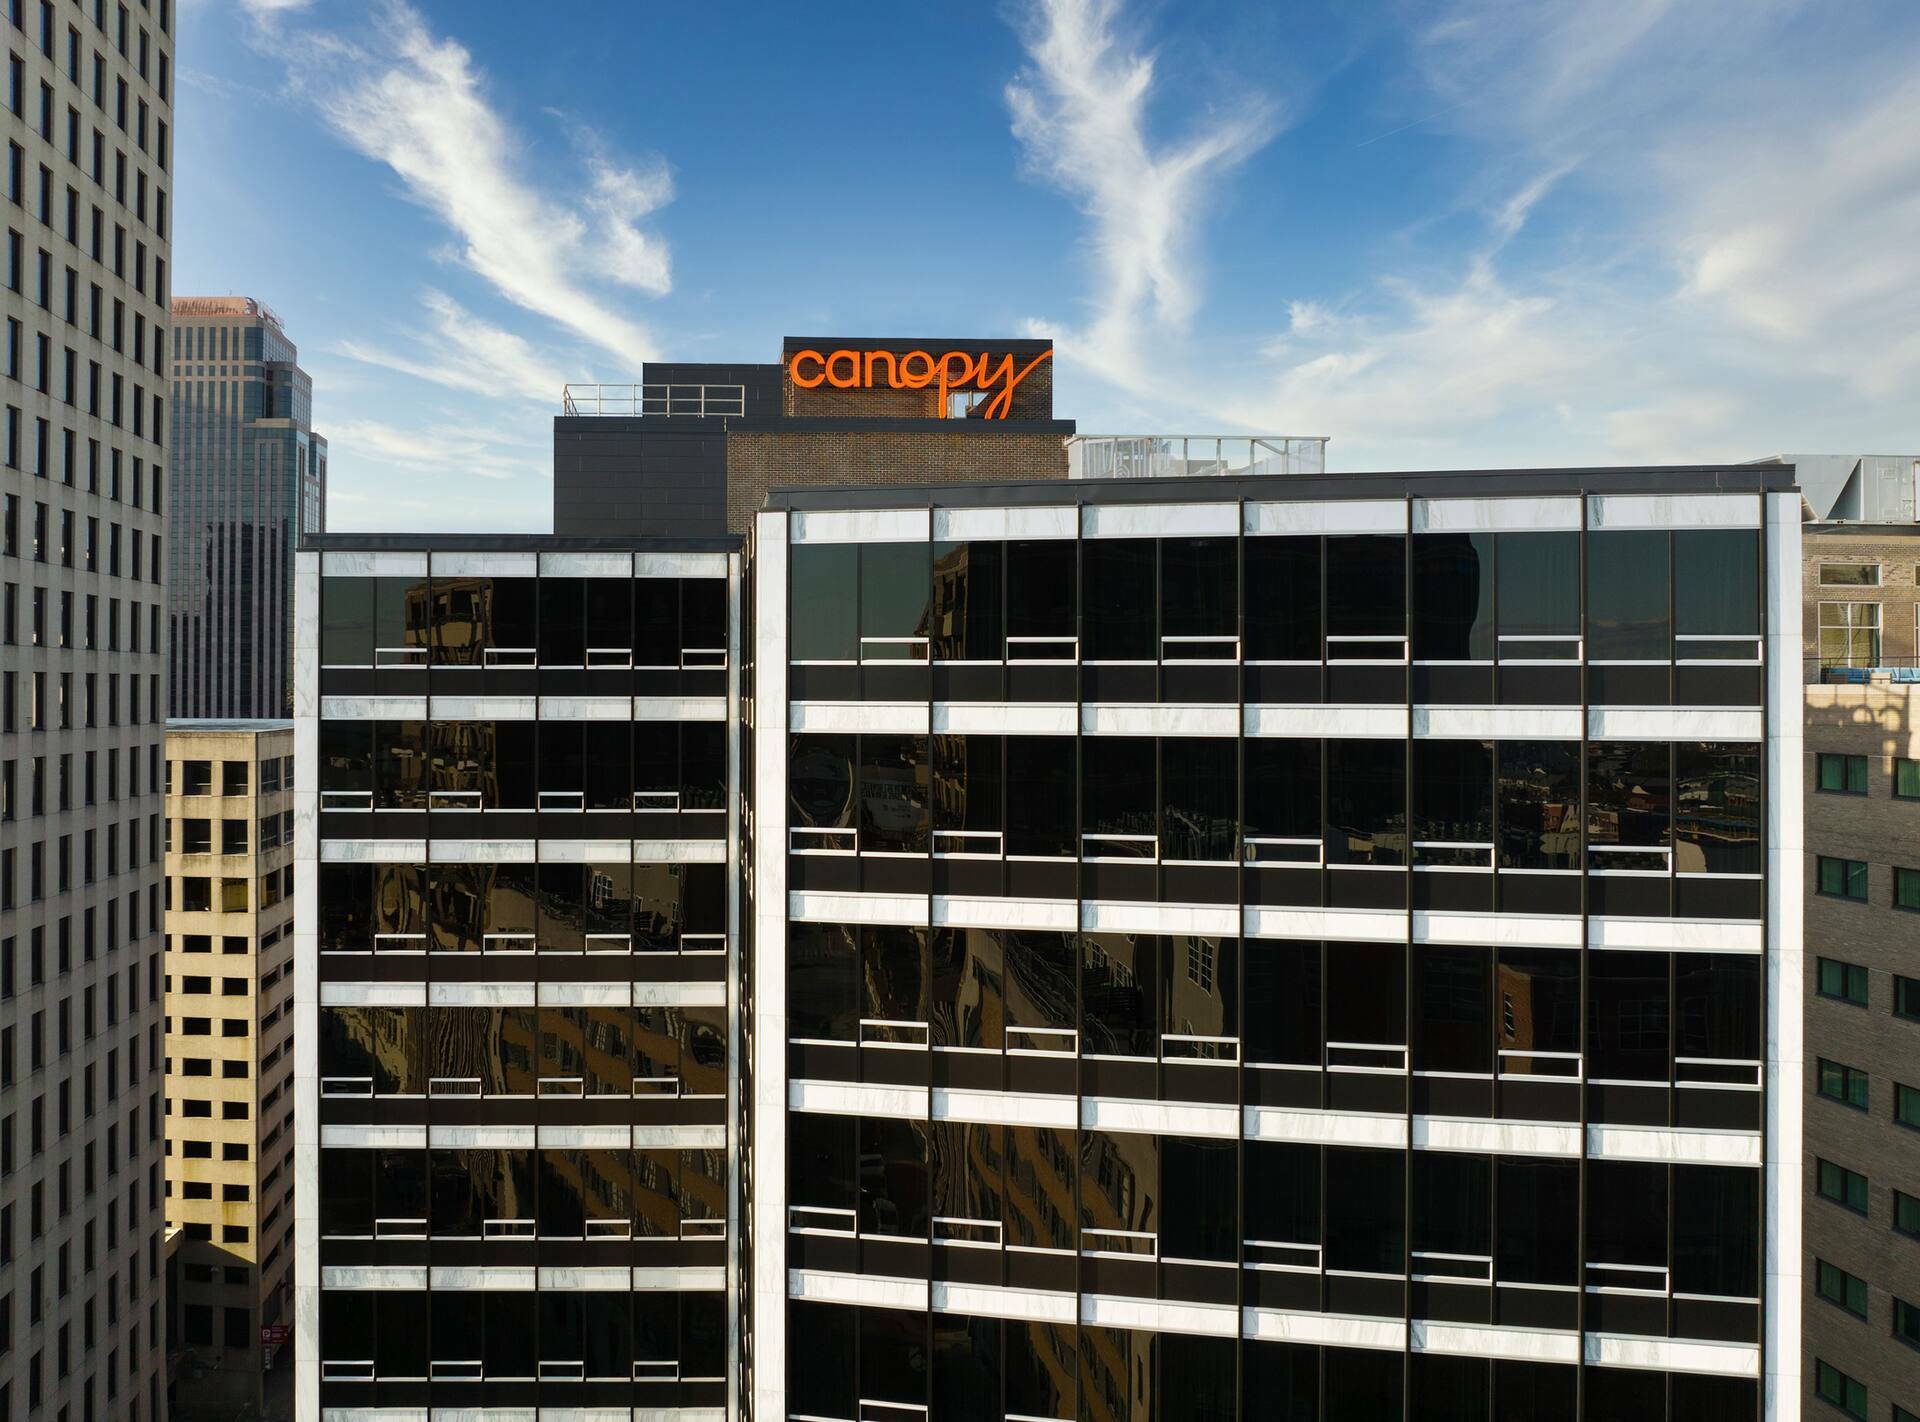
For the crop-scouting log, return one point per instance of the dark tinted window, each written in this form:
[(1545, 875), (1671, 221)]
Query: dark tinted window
[(1716, 1231), (1283, 992), (1040, 796), (1365, 1196), (1366, 802), (1041, 577), (1202, 1189), (1537, 1215), (1629, 804), (1120, 991), (1717, 825), (966, 787), (1197, 1377), (1628, 1017), (823, 614), (1538, 1000), (1283, 1192), (609, 619), (656, 622), (1367, 589), (967, 980), (1282, 789), (1200, 816), (1199, 593), (1717, 996), (1452, 1199), (1118, 785), (894, 590), (966, 1368), (1452, 801), (968, 603), (893, 1200), (1453, 597), (1453, 1010), (485, 621), (893, 794), (1442, 1388), (1282, 599), (1626, 1213), (1285, 1377), (823, 981), (1118, 588), (1627, 597), (1716, 585), (563, 626), (1366, 994), (893, 974), (821, 780), (820, 1379), (1539, 804), (1539, 576), (1040, 1377)]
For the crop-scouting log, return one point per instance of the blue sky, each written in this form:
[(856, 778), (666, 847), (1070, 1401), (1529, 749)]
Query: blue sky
[(1459, 233)]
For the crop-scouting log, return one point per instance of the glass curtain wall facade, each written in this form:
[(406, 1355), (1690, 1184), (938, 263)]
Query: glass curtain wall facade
[(1217, 957), (516, 953), (250, 476)]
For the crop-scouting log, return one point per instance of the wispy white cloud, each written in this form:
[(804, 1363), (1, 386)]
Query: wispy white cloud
[(1731, 272), (1080, 112), (438, 449), (418, 103), (460, 351)]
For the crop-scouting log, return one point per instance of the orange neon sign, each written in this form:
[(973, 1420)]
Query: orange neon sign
[(915, 370)]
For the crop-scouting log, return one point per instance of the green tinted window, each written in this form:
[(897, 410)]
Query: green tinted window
[(1842, 1391), (1844, 1186), (1844, 980), (1906, 1212), (1906, 779), (1845, 878), (1837, 1286), (1843, 774), (1906, 1106), (1839, 1082)]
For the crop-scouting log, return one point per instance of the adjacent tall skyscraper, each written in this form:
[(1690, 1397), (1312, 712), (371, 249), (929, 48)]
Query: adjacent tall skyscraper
[(250, 476), (88, 128)]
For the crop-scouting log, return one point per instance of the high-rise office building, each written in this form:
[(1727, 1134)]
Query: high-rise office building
[(249, 477), (88, 117), (1215, 940), (229, 1050), (1862, 648)]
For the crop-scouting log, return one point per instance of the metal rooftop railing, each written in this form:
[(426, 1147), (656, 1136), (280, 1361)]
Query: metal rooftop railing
[(694, 400), (1193, 456)]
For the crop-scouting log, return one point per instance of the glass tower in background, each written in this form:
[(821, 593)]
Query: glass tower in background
[(250, 477)]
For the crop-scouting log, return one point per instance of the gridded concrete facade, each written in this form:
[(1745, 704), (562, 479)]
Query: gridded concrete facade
[(249, 477), (83, 458), (229, 999)]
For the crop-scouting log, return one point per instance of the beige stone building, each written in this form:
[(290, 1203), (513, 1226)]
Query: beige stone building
[(229, 989)]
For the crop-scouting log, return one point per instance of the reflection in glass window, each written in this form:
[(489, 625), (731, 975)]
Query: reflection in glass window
[(820, 780), (1453, 802), (1539, 1004), (1627, 616), (1629, 804), (1850, 575), (1117, 796), (1628, 1017), (1281, 617), (967, 1163), (1199, 819), (1120, 991), (893, 1178), (1539, 804), (967, 789), (1040, 1188), (346, 763), (379, 1045), (1850, 634), (823, 981), (968, 621), (1119, 1191), (893, 974), (1040, 979), (1118, 590), (1366, 802), (1717, 798), (1203, 998), (893, 794), (1452, 1021), (1452, 601), (967, 980), (485, 621), (823, 585), (346, 908), (1040, 1371)]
